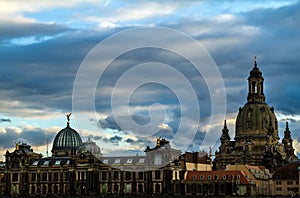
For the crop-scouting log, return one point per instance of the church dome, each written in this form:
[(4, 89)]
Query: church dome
[(67, 141), (256, 119), (67, 138)]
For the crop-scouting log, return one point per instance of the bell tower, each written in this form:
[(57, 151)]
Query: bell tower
[(255, 85)]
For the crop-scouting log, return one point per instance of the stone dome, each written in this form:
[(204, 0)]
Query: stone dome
[(256, 119), (66, 142), (92, 148)]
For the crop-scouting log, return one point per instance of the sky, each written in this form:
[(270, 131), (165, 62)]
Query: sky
[(146, 91)]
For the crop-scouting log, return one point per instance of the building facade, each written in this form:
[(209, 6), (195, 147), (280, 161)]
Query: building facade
[(78, 168), (256, 140), (286, 180), (74, 170)]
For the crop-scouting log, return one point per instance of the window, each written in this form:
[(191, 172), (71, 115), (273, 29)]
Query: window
[(157, 174), (44, 176), (129, 161), (246, 148), (249, 124), (83, 177), (57, 162), (209, 177), (16, 163), (55, 189), (128, 175), (224, 177), (104, 175), (105, 161), (157, 160), (15, 177), (33, 176), (264, 124), (46, 163), (194, 177), (55, 176), (116, 188), (67, 176), (216, 177), (116, 175), (201, 177), (157, 188), (141, 161), (117, 161), (238, 177), (141, 175), (32, 189), (35, 163), (140, 188), (44, 189)]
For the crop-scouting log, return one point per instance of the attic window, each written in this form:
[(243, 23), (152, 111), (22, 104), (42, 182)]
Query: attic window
[(105, 161), (142, 160), (35, 163), (117, 161), (129, 161), (209, 177), (46, 163), (57, 162), (194, 177)]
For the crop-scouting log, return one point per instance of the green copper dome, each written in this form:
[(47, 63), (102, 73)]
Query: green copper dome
[(67, 138), (66, 142)]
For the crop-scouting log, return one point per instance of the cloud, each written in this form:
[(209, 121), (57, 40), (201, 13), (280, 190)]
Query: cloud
[(5, 120), (35, 136), (40, 58), (114, 140)]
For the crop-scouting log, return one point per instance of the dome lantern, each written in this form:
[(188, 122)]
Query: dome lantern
[(255, 85)]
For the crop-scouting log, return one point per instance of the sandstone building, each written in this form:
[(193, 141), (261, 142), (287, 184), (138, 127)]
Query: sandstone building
[(256, 140)]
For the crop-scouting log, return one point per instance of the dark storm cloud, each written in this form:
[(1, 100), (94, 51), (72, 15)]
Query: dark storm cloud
[(114, 140), (5, 120), (110, 122), (12, 29), (139, 141), (167, 133), (43, 73), (35, 137), (272, 35)]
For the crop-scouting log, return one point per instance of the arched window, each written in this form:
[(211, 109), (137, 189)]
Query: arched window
[(157, 188), (116, 188), (16, 163), (140, 188), (44, 189), (55, 189), (158, 159), (254, 87), (33, 189)]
